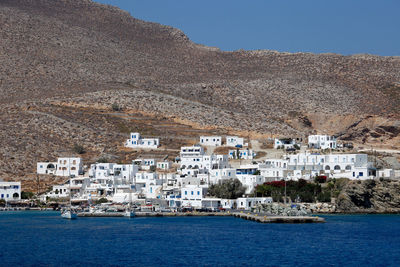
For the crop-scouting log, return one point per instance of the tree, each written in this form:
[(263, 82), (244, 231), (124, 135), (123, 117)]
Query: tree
[(229, 189), (26, 195)]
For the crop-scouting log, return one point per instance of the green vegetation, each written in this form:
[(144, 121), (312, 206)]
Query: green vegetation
[(27, 195), (103, 160), (102, 200), (229, 189), (115, 107), (79, 149), (296, 190)]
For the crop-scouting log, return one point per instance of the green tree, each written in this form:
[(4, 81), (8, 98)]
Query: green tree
[(26, 195), (229, 189)]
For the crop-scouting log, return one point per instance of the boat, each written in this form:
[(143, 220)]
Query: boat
[(68, 213), (129, 213)]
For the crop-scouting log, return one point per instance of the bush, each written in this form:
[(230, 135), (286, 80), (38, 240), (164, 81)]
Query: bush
[(102, 160), (320, 179), (79, 149), (307, 192), (229, 189), (324, 196), (115, 107), (27, 195), (102, 200)]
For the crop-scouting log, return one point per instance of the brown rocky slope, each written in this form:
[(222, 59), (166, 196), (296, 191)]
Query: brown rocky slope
[(61, 55)]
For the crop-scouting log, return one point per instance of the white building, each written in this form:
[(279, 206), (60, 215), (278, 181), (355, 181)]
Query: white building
[(10, 191), (192, 195), (164, 165), (284, 143), (235, 141), (63, 167), (46, 168), (251, 202), (210, 140), (69, 166), (136, 141), (322, 142), (241, 154), (274, 169), (352, 166), (59, 191)]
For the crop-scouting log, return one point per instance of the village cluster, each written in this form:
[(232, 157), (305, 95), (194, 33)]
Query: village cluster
[(184, 182)]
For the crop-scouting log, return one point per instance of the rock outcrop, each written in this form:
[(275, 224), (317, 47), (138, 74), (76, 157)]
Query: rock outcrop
[(370, 196)]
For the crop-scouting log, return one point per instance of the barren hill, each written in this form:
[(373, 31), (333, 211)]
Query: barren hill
[(63, 57)]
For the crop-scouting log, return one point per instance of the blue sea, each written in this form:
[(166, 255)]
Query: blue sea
[(33, 238)]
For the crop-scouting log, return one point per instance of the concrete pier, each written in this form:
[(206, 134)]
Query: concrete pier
[(261, 218), (278, 219)]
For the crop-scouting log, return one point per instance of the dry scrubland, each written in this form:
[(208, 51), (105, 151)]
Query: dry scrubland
[(64, 63)]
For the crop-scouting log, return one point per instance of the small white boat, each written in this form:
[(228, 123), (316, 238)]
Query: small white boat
[(129, 214), (67, 214)]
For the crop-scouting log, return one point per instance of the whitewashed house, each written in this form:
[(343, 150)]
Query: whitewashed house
[(164, 165), (352, 166), (235, 141), (63, 167), (192, 196), (136, 141), (241, 154), (10, 191), (322, 142), (284, 143), (210, 140), (274, 169), (46, 168), (251, 202), (59, 191), (69, 166)]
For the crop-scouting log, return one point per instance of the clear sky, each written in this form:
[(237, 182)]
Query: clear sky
[(318, 26)]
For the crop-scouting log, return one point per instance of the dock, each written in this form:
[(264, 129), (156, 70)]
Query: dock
[(261, 218)]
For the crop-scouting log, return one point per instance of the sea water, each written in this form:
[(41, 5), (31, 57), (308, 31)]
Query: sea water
[(33, 238)]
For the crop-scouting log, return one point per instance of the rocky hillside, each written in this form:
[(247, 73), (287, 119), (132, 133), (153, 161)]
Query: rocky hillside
[(372, 196), (65, 62)]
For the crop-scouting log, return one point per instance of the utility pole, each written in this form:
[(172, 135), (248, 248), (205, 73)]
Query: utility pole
[(285, 192)]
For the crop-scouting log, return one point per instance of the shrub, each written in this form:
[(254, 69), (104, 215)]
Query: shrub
[(320, 179), (115, 107), (26, 195), (229, 189), (79, 149), (102, 160), (102, 200)]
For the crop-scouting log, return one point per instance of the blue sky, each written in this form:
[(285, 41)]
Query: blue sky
[(318, 26)]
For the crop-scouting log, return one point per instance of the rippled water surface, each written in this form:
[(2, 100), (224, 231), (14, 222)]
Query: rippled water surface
[(44, 238)]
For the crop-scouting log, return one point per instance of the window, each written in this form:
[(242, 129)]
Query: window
[(192, 193), (2, 195), (16, 186), (360, 174), (185, 192), (198, 193), (41, 166)]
